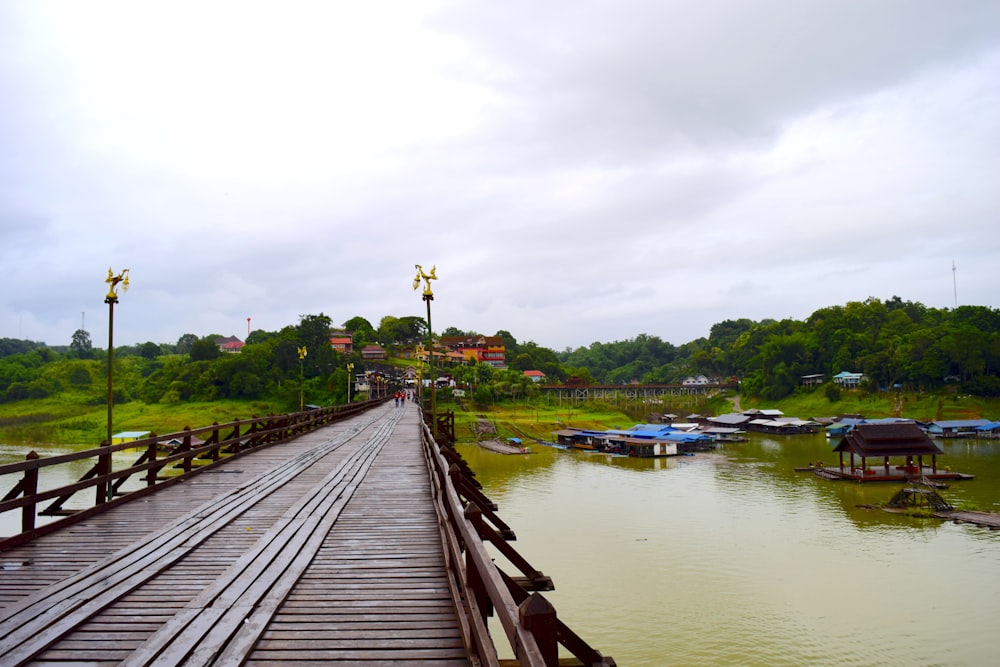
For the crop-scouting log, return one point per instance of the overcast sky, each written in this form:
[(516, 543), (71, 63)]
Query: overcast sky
[(577, 171)]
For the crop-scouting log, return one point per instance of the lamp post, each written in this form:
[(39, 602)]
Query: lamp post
[(302, 357), (104, 460), (350, 369), (428, 296)]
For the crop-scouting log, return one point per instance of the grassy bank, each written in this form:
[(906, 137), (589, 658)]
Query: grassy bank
[(60, 422), (73, 422), (922, 407), (518, 420)]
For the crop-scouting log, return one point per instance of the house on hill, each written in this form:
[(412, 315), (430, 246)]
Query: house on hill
[(373, 352), (342, 343), (229, 345), (483, 349), (813, 380), (848, 380), (534, 376)]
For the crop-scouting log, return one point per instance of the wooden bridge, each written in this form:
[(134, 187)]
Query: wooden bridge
[(613, 392), (334, 536)]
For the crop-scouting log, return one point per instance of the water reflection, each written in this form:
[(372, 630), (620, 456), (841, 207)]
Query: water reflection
[(734, 558)]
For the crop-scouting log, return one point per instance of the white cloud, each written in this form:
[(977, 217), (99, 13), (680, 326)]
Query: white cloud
[(578, 172)]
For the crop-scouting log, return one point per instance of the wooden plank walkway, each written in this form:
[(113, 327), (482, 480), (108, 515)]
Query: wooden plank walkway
[(324, 550)]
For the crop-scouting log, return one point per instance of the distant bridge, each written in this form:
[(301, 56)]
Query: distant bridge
[(335, 536), (612, 392)]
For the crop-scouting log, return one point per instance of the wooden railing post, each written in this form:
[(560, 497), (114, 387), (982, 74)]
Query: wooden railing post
[(103, 488), (235, 436), (30, 489), (474, 579), (151, 457), (538, 616), (186, 447)]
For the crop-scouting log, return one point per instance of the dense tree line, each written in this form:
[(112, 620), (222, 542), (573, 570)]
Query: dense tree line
[(269, 365), (894, 343)]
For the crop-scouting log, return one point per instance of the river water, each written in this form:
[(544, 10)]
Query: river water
[(733, 558)]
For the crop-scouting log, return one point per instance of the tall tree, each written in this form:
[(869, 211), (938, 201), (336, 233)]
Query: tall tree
[(81, 344), (205, 349), (185, 343), (361, 330)]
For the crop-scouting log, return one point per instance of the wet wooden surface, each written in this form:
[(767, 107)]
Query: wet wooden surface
[(324, 550)]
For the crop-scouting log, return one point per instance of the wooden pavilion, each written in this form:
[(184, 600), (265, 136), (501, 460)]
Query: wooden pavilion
[(883, 442)]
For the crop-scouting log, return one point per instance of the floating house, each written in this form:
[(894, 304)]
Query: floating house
[(129, 436), (772, 413), (725, 434), (783, 426), (839, 428), (730, 420), (176, 444), (642, 440), (956, 428), (989, 430), (905, 442)]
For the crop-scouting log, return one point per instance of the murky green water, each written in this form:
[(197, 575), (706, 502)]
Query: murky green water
[(734, 558)]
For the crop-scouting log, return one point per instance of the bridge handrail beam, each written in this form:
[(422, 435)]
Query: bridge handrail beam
[(528, 619), (24, 493), (483, 571)]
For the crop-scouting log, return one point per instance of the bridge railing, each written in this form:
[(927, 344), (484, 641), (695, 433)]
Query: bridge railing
[(481, 588), (198, 449)]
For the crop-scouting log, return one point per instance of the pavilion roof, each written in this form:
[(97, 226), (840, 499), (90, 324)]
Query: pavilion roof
[(878, 440)]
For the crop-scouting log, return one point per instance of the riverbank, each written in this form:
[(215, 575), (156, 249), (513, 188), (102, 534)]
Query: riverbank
[(65, 422), (71, 421)]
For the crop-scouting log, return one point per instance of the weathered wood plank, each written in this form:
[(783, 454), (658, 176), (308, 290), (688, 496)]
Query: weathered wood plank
[(373, 587)]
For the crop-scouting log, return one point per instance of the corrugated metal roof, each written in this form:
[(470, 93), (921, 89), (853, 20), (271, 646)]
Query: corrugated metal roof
[(731, 418), (961, 423)]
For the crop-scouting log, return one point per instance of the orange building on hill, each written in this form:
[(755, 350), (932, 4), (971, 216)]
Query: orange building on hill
[(483, 349)]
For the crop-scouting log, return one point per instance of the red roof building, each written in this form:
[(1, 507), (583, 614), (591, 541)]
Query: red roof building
[(230, 345), (342, 344)]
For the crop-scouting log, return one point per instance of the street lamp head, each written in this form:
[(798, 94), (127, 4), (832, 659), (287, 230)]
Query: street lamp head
[(302, 353), (113, 281), (427, 278)]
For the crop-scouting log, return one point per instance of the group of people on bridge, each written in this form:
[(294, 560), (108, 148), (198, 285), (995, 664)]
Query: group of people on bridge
[(401, 397)]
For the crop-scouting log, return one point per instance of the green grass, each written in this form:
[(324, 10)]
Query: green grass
[(922, 407), (62, 422), (71, 420), (517, 420)]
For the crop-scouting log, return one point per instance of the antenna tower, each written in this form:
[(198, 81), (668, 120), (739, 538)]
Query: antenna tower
[(954, 281)]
